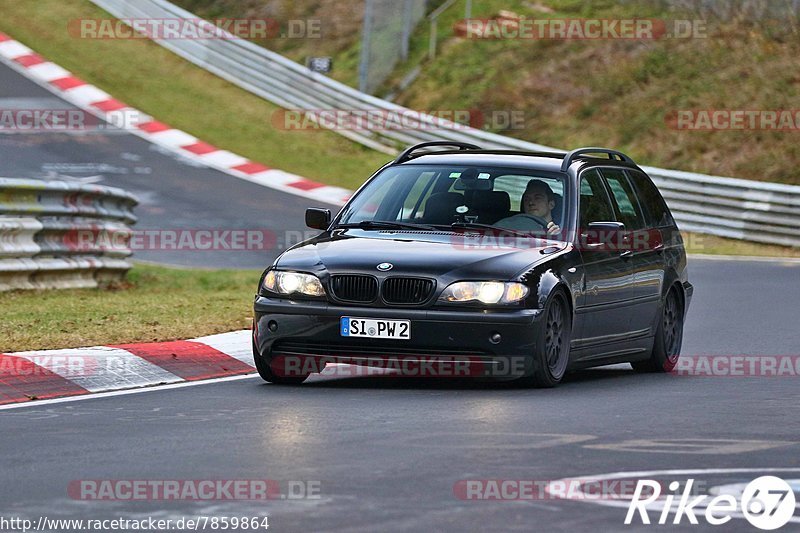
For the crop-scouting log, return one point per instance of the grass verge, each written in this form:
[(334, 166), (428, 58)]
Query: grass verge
[(154, 304)]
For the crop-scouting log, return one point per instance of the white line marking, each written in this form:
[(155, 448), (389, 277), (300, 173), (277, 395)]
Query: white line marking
[(69, 399)]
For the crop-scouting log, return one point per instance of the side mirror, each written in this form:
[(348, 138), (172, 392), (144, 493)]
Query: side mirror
[(602, 232), (318, 218)]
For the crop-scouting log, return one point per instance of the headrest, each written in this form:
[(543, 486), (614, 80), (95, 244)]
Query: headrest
[(493, 201)]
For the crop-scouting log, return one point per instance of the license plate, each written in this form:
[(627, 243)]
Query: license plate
[(376, 328)]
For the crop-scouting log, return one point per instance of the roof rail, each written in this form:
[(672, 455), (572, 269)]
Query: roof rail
[(612, 154), (406, 155), (530, 153)]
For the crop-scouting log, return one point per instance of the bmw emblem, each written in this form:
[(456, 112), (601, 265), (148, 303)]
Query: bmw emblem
[(385, 267)]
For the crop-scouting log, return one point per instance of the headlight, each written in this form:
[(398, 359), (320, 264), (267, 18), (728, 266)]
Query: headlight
[(291, 282), (488, 292)]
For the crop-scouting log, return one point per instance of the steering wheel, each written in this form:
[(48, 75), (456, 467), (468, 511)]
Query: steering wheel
[(539, 220)]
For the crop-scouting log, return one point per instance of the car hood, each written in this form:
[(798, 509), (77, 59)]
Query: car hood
[(445, 255)]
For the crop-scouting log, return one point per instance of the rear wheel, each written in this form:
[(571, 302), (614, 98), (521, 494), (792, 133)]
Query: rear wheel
[(267, 373), (668, 339), (551, 358)]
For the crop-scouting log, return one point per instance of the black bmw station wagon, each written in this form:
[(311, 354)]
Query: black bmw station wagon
[(522, 265)]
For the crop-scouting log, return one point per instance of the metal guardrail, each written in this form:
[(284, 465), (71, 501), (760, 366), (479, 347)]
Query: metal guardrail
[(741, 209), (58, 235)]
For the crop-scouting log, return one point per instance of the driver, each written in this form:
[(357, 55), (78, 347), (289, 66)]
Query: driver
[(538, 202)]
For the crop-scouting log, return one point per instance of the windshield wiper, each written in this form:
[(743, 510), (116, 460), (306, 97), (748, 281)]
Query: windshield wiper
[(478, 225), (384, 224)]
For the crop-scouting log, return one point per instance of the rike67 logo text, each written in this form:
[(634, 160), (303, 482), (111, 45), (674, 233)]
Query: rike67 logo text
[(767, 502)]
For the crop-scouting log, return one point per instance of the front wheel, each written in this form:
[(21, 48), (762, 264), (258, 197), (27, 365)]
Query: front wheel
[(265, 370), (551, 356), (668, 339)]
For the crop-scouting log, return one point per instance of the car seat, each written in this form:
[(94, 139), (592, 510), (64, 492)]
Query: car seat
[(441, 207), (492, 206)]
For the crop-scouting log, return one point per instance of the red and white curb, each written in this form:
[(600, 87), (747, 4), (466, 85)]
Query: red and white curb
[(47, 374), (100, 104)]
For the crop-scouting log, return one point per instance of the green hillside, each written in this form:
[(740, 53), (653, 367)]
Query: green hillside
[(571, 93)]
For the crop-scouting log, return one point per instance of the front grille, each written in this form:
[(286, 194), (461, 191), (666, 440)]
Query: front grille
[(354, 288), (407, 291)]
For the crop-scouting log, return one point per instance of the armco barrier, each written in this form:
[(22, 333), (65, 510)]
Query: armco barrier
[(39, 222), (742, 209)]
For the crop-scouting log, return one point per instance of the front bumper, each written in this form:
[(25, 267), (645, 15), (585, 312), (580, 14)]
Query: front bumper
[(311, 330)]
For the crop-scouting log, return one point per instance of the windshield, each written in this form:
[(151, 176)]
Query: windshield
[(519, 200)]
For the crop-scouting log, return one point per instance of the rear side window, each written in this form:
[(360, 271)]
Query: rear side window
[(625, 201), (595, 205), (656, 210)]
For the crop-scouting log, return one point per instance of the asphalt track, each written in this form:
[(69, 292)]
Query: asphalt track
[(386, 452)]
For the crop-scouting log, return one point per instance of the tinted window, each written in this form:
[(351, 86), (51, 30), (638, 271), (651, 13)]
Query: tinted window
[(515, 185), (656, 211), (440, 195), (594, 203), (419, 192), (625, 202)]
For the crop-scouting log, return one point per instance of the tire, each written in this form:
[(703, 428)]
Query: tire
[(551, 357), (266, 373), (668, 338)]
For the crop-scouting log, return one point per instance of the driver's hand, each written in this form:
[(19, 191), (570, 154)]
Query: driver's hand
[(552, 228)]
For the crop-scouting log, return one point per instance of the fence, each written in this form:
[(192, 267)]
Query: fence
[(40, 224), (742, 209), (386, 36)]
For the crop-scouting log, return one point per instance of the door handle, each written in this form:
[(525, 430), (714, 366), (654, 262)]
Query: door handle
[(627, 254)]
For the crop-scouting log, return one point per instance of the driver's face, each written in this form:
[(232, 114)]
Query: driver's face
[(535, 203)]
